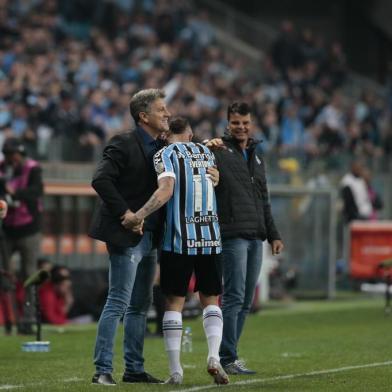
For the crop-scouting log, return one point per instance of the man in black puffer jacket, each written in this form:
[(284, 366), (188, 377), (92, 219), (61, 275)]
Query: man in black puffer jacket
[(246, 221)]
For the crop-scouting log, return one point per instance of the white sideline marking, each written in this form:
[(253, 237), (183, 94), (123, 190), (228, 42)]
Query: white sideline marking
[(291, 355), (73, 379), (288, 376), (9, 386)]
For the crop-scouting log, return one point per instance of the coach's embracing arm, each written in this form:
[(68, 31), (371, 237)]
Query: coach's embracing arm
[(159, 198)]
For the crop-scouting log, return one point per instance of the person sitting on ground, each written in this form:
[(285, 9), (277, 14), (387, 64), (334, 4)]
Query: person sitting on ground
[(56, 297)]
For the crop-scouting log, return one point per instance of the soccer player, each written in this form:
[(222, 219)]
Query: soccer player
[(191, 242)]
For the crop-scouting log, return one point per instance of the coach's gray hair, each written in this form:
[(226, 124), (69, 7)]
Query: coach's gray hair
[(142, 100)]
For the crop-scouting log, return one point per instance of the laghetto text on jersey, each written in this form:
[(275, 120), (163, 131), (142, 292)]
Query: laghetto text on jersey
[(192, 225)]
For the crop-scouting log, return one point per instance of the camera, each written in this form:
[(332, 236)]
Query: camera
[(4, 195)]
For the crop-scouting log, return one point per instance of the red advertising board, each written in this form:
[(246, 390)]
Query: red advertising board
[(370, 244)]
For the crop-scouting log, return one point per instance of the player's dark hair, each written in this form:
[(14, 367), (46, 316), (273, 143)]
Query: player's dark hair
[(241, 108), (178, 125)]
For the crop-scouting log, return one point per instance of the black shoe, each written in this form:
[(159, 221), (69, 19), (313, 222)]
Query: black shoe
[(140, 377), (103, 379)]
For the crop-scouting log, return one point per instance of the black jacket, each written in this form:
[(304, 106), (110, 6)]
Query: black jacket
[(242, 195), (123, 179)]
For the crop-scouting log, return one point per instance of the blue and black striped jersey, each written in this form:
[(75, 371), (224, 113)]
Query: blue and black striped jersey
[(192, 225)]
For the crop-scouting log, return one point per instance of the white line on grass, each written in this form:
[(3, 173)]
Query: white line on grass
[(288, 376), (35, 384), (73, 379)]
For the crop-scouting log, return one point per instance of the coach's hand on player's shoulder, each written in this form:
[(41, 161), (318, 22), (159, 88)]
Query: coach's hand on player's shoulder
[(129, 220), (276, 247), (214, 143), (214, 174)]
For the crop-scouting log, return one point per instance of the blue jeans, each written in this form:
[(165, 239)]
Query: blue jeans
[(241, 262), (131, 276)]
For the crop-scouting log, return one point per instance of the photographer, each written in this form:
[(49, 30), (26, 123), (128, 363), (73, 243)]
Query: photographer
[(56, 297), (6, 285), (22, 187), (3, 209)]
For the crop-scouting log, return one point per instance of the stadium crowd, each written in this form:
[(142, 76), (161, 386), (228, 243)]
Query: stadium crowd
[(68, 70)]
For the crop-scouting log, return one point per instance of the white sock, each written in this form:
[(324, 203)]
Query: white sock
[(213, 326), (172, 332)]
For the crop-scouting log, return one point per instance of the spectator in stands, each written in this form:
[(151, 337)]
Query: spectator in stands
[(292, 130), (286, 52), (333, 127), (270, 129), (47, 47), (22, 226), (315, 102), (337, 65), (354, 140), (68, 126), (56, 297), (371, 133), (307, 45)]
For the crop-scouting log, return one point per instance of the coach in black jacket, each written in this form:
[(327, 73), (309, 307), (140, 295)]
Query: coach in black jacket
[(125, 180), (246, 221)]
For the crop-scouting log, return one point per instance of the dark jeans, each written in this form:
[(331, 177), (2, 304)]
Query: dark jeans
[(131, 276), (241, 262)]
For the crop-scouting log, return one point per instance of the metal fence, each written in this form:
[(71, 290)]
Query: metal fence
[(307, 221)]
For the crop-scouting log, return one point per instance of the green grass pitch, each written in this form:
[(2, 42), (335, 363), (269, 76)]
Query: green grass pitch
[(342, 345)]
